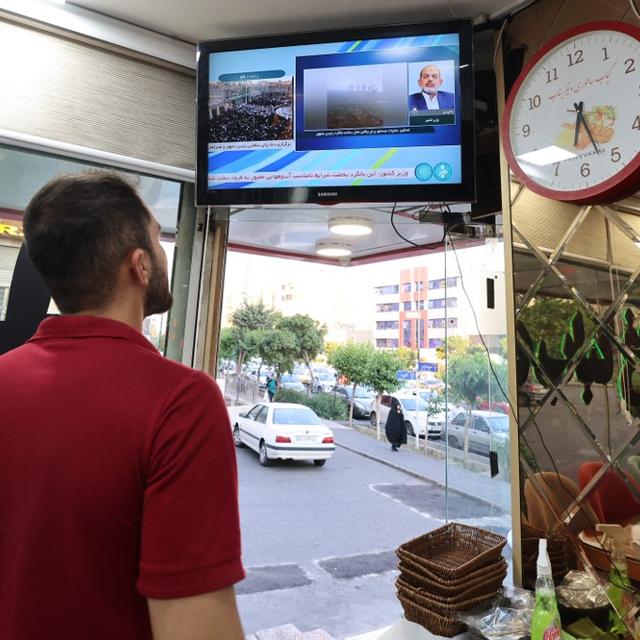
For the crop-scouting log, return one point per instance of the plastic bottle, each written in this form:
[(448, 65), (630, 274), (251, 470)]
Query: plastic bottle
[(545, 621), (620, 592)]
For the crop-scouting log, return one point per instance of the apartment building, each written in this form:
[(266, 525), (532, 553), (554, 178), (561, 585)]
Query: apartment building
[(420, 306)]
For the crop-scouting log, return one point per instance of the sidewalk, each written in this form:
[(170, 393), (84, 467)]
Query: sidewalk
[(417, 464)]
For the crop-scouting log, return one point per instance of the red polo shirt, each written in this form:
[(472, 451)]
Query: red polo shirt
[(117, 483)]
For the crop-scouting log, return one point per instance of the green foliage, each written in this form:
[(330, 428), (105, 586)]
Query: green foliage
[(549, 319), (245, 320), (406, 356), (309, 335), (324, 404), (276, 347), (457, 346), (328, 407), (435, 404), (228, 348), (309, 338), (351, 359), (467, 377), (290, 395), (381, 368)]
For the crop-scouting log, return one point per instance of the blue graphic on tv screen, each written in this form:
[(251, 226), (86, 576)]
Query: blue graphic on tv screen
[(442, 171), (424, 171), (331, 115)]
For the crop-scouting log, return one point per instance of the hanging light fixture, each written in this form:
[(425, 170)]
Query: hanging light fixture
[(347, 226), (333, 249)]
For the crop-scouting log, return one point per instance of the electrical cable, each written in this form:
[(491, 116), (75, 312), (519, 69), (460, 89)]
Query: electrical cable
[(429, 245), (592, 525)]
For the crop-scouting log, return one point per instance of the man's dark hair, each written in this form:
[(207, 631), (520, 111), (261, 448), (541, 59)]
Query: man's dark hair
[(78, 229)]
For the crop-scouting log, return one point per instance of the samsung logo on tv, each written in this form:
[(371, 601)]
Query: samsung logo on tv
[(327, 194)]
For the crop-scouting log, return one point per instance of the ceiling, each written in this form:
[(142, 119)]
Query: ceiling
[(293, 233), (194, 20)]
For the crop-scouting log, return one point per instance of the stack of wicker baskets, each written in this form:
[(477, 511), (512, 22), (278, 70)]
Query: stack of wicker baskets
[(557, 545), (446, 571)]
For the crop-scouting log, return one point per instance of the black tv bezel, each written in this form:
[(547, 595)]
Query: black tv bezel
[(464, 191)]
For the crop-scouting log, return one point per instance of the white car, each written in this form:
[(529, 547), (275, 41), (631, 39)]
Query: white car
[(416, 417), (286, 431)]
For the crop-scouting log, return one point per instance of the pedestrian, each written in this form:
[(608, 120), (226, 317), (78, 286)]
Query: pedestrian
[(395, 427), (272, 387), (118, 480)]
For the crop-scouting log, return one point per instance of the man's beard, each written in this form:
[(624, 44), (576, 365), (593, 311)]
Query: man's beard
[(430, 91), (158, 298)]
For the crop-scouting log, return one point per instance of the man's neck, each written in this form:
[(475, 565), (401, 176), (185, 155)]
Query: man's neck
[(127, 316)]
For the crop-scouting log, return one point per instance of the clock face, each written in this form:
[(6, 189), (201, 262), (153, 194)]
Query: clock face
[(572, 121)]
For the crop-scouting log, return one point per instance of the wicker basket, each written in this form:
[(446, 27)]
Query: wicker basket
[(489, 582), (424, 599), (431, 621), (455, 550), (454, 584), (485, 591)]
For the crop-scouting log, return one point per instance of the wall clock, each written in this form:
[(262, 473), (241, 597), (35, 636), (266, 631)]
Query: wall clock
[(571, 127)]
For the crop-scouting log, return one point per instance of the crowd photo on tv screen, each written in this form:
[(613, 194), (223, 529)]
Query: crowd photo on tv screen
[(250, 111)]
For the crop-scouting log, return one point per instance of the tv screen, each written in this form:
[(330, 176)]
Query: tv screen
[(382, 114)]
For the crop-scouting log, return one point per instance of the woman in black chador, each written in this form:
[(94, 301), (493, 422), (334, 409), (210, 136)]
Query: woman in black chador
[(395, 427)]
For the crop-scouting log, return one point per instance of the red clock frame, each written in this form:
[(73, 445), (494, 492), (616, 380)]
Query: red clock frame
[(625, 182)]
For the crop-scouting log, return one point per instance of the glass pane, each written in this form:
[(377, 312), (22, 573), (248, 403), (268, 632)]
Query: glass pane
[(24, 172), (477, 384)]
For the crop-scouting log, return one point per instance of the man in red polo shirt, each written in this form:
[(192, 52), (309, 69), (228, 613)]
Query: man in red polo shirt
[(118, 487)]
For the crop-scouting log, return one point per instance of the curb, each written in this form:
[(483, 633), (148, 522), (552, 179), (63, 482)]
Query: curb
[(413, 474), (397, 467)]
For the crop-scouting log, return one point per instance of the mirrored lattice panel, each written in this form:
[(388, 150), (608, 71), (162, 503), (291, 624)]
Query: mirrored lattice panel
[(578, 363)]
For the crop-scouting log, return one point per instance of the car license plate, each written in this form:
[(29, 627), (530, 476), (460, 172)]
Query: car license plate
[(306, 438)]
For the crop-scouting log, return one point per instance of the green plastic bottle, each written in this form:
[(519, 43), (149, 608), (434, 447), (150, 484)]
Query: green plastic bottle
[(545, 621)]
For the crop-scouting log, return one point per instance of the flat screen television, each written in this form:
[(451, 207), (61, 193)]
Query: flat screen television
[(377, 114)]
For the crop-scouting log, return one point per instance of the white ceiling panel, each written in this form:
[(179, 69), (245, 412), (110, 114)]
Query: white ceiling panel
[(194, 20)]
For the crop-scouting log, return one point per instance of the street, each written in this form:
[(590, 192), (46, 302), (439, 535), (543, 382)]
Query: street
[(318, 543)]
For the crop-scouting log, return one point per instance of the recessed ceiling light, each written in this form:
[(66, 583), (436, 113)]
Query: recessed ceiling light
[(351, 226), (333, 249)]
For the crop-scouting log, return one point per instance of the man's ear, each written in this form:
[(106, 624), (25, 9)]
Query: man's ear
[(140, 266)]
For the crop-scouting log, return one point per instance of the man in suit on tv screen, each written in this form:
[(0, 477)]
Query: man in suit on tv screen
[(429, 97)]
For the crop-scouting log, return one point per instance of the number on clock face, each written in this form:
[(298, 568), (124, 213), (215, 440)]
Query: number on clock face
[(574, 120)]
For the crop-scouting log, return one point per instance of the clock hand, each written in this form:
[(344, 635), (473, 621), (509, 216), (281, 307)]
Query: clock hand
[(586, 126), (576, 134)]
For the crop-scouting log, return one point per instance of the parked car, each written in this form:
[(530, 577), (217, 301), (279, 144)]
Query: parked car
[(323, 381), (362, 399), (531, 392), (288, 381), (496, 405), (286, 431), (302, 373), (417, 418), (485, 429)]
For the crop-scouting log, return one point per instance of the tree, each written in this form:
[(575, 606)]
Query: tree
[(351, 360), (380, 374), (277, 347), (467, 377), (549, 319), (406, 356), (247, 318), (228, 349), (309, 336)]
